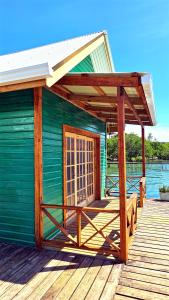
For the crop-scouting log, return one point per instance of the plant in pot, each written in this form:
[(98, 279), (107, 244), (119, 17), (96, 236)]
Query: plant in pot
[(164, 192)]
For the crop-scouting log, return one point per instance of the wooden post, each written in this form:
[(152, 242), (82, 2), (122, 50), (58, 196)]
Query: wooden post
[(38, 163), (143, 152), (122, 173)]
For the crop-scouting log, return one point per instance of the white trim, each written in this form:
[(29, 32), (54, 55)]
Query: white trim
[(30, 73)]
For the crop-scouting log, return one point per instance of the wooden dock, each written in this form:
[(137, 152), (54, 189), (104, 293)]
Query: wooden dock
[(146, 275)]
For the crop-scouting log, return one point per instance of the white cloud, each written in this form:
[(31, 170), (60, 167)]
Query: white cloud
[(161, 133)]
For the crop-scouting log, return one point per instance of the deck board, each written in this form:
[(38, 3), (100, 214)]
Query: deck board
[(146, 274)]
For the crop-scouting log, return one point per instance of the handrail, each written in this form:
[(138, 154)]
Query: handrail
[(132, 176), (75, 238), (131, 214), (134, 184), (79, 208), (132, 198)]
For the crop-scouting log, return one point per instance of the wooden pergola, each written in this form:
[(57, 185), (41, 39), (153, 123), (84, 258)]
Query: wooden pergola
[(117, 99)]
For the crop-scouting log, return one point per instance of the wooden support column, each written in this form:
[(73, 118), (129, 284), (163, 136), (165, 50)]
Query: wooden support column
[(143, 152), (38, 163), (122, 173)]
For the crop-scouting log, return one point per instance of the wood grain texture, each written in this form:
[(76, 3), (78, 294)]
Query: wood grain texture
[(145, 276), (38, 163), (122, 174)]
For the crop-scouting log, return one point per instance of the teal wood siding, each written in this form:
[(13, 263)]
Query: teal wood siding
[(97, 62), (99, 59), (17, 167), (57, 112), (84, 66)]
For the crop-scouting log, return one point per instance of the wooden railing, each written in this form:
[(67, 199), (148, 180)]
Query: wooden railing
[(131, 214), (142, 191), (134, 184), (80, 228)]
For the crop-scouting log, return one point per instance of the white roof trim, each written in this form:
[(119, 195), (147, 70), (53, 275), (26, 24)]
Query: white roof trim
[(31, 73)]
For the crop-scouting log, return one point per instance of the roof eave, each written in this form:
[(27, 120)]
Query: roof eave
[(35, 72)]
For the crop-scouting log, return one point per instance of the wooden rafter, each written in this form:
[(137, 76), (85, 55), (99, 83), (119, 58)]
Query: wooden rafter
[(103, 99), (132, 108), (99, 90)]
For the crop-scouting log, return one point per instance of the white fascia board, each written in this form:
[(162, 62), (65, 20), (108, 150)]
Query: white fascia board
[(148, 91), (109, 52), (30, 73)]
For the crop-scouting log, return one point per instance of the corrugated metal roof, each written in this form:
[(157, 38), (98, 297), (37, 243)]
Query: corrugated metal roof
[(24, 63)]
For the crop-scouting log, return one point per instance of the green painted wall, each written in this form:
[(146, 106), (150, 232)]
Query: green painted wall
[(17, 167), (57, 112), (99, 59), (97, 62), (84, 66)]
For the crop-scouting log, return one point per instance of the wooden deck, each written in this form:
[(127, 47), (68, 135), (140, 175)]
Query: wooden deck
[(27, 273), (146, 275)]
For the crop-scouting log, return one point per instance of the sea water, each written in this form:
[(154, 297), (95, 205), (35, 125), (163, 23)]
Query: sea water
[(157, 174)]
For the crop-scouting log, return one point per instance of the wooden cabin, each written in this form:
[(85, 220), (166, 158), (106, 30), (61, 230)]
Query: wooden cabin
[(57, 103)]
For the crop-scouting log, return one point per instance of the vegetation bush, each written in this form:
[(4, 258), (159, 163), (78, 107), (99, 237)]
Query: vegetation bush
[(153, 148), (164, 189)]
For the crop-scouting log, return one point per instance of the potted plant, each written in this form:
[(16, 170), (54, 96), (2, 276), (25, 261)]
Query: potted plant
[(164, 192)]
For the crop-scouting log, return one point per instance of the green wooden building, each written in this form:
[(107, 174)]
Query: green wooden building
[(54, 118)]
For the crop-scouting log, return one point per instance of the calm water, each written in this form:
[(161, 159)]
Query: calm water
[(157, 174)]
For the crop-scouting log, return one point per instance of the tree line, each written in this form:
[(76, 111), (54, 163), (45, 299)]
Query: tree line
[(154, 149)]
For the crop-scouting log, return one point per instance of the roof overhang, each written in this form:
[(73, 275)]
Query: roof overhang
[(97, 94), (50, 62)]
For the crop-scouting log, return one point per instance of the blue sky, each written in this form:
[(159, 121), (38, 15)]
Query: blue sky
[(138, 33)]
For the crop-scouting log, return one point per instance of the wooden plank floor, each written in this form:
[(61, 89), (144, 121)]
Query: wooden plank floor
[(27, 273), (99, 219), (146, 275)]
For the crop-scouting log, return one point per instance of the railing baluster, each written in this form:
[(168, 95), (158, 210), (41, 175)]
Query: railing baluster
[(79, 220)]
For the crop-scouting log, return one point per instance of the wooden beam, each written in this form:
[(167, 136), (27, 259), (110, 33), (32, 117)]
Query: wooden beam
[(100, 80), (22, 85), (112, 128), (101, 99), (122, 175), (143, 152), (97, 99), (111, 109), (133, 122), (132, 108), (38, 164)]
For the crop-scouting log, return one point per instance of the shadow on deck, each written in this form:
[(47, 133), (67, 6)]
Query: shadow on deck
[(27, 273)]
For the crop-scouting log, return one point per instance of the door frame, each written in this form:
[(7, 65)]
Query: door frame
[(96, 137)]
